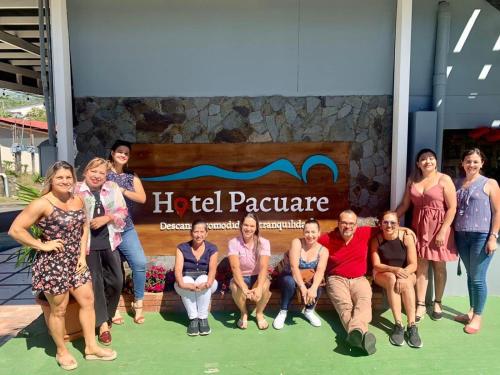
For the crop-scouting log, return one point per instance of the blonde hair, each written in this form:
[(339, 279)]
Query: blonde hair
[(53, 169), (97, 162)]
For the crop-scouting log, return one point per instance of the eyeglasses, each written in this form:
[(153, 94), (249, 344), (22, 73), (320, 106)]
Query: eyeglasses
[(347, 224), (388, 222)]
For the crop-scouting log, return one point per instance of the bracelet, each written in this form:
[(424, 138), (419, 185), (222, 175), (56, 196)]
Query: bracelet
[(494, 235)]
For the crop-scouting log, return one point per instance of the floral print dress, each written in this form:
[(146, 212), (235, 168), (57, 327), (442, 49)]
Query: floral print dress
[(54, 272)]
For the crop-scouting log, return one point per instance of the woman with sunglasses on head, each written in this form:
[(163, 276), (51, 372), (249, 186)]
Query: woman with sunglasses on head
[(434, 201), (249, 256), (106, 212), (476, 231), (130, 247), (305, 265), (60, 266), (394, 260)]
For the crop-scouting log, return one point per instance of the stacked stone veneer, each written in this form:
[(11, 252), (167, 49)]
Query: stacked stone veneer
[(364, 120)]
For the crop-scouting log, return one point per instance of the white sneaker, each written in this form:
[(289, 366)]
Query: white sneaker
[(279, 321), (312, 317)]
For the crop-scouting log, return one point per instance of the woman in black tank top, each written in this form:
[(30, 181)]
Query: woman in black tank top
[(394, 259)]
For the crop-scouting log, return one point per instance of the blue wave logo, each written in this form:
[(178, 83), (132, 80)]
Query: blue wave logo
[(280, 165)]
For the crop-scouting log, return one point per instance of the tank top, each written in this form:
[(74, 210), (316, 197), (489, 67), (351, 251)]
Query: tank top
[(392, 252), (473, 207)]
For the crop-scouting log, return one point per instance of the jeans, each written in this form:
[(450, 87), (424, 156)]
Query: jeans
[(196, 303), (131, 249), (472, 249), (288, 286)]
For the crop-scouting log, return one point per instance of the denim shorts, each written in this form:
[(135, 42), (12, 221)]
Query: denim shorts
[(250, 280)]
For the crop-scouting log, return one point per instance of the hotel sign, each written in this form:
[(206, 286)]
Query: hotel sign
[(284, 184)]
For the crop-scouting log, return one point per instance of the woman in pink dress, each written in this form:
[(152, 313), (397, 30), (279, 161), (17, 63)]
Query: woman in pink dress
[(434, 201)]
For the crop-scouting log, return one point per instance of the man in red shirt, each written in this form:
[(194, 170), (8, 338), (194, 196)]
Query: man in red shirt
[(347, 286)]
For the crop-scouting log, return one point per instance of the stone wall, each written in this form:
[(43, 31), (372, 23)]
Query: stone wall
[(366, 121)]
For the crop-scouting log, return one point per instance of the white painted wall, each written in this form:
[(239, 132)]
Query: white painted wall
[(231, 47)]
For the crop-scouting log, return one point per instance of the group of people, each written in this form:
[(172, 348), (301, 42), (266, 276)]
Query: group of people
[(87, 225), (466, 213)]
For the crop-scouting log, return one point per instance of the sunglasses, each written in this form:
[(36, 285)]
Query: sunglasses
[(389, 222)]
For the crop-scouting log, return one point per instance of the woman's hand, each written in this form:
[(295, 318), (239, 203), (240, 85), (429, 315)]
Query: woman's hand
[(98, 222), (311, 295), (440, 237), (81, 266), (189, 286), (491, 245), (54, 245), (202, 286), (256, 294), (401, 273), (400, 286)]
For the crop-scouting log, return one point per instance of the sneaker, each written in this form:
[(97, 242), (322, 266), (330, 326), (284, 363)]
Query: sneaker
[(368, 344), (413, 337), (193, 329), (397, 336), (312, 317), (279, 321), (355, 338), (204, 327)]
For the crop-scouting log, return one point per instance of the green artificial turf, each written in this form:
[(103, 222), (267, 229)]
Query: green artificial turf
[(161, 346)]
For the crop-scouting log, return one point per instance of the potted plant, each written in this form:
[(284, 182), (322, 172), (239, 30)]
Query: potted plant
[(26, 255)]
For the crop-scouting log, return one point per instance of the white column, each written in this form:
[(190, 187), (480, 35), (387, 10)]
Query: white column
[(61, 70), (402, 52)]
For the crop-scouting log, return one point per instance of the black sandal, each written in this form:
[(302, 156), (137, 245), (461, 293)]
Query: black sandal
[(437, 315), (418, 318)]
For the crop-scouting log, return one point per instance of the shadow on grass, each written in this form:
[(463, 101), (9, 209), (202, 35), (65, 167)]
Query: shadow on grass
[(180, 318), (37, 335), (342, 347), (381, 322)]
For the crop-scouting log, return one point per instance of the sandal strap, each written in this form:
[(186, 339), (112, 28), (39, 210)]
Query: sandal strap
[(420, 303), (437, 301)]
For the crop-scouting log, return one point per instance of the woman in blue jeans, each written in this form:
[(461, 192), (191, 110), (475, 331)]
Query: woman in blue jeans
[(476, 232), (130, 247), (305, 268)]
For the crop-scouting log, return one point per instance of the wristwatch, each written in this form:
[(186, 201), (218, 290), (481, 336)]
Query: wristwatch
[(494, 235)]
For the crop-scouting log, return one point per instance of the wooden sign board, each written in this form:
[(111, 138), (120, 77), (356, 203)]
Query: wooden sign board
[(283, 184)]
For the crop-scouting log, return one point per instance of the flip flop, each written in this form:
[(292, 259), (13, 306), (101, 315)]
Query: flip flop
[(96, 357), (262, 324), (67, 366), (242, 324)]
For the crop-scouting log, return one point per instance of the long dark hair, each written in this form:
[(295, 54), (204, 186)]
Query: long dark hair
[(118, 143), (473, 151), (417, 173)]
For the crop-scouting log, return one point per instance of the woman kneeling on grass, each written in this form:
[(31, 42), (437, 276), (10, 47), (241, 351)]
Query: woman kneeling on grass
[(394, 259), (249, 259), (195, 266), (60, 266)]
